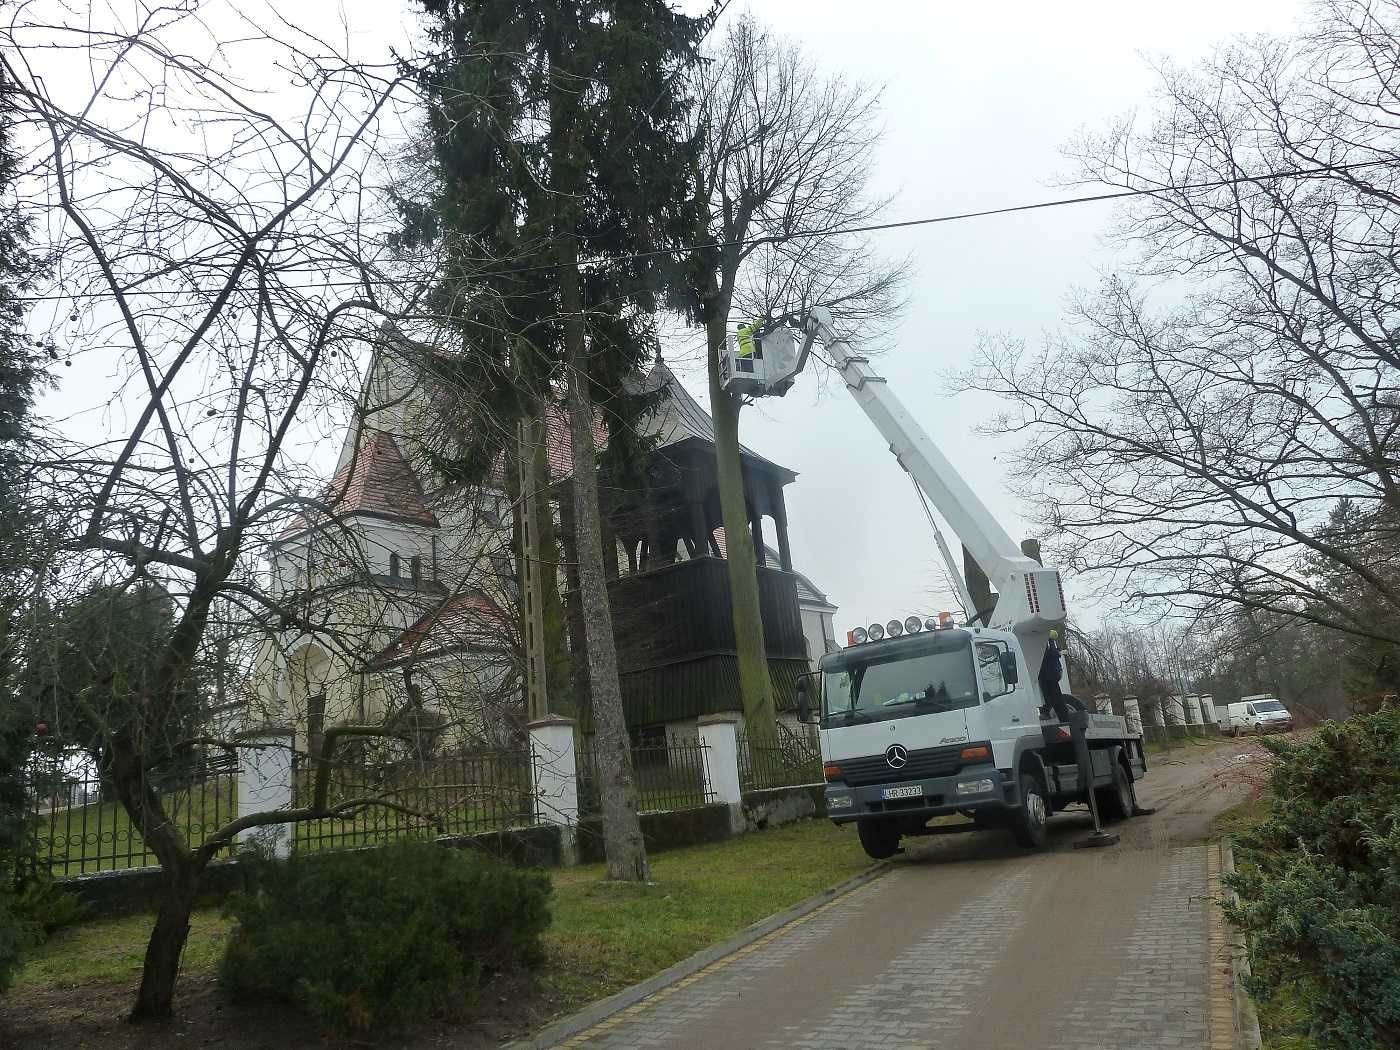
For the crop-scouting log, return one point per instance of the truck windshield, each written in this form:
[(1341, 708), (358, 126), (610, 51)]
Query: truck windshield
[(1268, 705), (902, 686)]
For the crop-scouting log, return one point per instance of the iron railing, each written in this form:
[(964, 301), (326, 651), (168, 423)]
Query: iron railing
[(466, 794), (80, 827), (789, 759), (667, 776)]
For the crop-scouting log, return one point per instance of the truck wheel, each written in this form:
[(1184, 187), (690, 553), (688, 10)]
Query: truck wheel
[(1118, 801), (1028, 825), (879, 838)]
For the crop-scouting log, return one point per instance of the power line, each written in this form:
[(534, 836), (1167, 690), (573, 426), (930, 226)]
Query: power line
[(845, 231)]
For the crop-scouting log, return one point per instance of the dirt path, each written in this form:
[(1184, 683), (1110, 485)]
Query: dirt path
[(971, 943)]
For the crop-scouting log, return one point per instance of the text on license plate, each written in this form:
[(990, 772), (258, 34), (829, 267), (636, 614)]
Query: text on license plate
[(907, 791)]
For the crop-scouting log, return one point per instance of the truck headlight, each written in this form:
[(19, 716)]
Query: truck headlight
[(975, 787), (839, 802)]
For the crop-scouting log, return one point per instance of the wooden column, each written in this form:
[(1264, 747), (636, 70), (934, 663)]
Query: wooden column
[(609, 534), (578, 644), (698, 532), (780, 519)]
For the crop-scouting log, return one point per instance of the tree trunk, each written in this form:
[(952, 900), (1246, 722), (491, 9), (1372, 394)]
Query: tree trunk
[(561, 698), (755, 684), (156, 994), (622, 828), (180, 873)]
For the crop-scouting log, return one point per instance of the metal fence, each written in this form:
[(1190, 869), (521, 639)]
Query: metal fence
[(468, 794), (789, 759), (668, 776), (80, 827)]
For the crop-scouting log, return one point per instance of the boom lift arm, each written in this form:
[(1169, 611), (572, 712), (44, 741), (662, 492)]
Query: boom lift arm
[(1031, 599)]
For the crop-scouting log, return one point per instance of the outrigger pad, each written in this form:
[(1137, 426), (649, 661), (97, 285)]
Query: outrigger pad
[(1098, 838)]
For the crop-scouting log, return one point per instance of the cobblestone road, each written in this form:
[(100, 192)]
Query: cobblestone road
[(972, 944)]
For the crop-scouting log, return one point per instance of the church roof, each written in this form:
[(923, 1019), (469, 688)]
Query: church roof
[(381, 482), (469, 620), (378, 482)]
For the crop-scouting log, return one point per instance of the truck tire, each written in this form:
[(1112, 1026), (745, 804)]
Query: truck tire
[(1118, 801), (1028, 824), (879, 838)]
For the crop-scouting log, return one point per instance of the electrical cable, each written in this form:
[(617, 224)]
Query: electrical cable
[(794, 236)]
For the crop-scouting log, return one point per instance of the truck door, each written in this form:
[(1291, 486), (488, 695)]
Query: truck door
[(1008, 707)]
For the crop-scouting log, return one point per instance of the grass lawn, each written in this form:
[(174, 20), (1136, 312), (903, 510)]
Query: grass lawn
[(603, 938)]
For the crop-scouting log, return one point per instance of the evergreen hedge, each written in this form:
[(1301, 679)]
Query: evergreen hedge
[(382, 938), (1319, 882)]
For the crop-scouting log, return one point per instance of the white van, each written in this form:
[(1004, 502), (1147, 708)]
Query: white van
[(1257, 714)]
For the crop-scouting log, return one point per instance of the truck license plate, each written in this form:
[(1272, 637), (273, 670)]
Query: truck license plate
[(907, 791)]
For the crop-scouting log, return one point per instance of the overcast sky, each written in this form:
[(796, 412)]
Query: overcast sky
[(979, 99)]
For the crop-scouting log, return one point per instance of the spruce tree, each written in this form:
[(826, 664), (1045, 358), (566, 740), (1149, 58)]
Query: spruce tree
[(561, 164)]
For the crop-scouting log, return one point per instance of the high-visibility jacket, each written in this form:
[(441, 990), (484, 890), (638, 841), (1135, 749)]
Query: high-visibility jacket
[(745, 338)]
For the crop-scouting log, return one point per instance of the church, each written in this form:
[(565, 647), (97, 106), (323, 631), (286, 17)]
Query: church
[(409, 596)]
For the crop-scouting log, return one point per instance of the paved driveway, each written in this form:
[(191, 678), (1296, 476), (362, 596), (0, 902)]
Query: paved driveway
[(970, 943)]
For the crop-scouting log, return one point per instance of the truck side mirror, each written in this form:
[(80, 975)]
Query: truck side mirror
[(804, 702), (1009, 674)]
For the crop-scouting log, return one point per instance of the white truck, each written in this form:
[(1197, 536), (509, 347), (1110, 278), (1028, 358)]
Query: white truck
[(1261, 713), (919, 720)]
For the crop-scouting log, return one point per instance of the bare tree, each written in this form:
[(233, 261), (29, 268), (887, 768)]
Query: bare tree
[(785, 168), (1191, 433), (204, 177)]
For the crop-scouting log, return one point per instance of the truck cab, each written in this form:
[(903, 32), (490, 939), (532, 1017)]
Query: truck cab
[(948, 721)]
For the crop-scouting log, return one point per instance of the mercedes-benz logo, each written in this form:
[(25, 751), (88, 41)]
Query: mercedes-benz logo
[(897, 756)]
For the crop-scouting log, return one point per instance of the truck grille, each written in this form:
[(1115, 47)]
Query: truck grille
[(927, 762)]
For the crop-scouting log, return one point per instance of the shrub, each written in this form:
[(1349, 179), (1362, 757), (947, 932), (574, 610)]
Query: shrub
[(47, 907), (1319, 882), (382, 938)]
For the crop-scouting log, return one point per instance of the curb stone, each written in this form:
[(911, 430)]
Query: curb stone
[(592, 1014), (1247, 1035)]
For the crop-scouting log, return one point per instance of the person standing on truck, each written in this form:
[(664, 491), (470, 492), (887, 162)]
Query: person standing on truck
[(1051, 670)]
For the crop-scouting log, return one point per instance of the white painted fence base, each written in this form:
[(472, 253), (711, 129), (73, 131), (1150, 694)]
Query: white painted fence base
[(555, 776), (720, 735), (265, 783)]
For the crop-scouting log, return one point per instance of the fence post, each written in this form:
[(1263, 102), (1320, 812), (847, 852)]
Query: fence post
[(554, 774), (1133, 714), (720, 736), (1208, 714), (265, 783)]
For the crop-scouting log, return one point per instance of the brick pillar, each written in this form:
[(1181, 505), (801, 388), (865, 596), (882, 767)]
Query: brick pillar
[(554, 774), (720, 735), (265, 784)]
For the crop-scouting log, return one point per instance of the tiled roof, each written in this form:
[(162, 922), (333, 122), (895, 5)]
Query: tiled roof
[(469, 620), (378, 481), (381, 482), (560, 446)]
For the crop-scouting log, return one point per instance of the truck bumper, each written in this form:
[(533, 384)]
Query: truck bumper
[(976, 787)]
